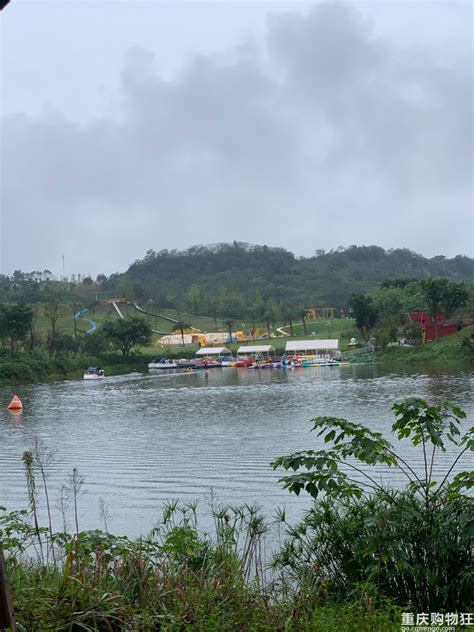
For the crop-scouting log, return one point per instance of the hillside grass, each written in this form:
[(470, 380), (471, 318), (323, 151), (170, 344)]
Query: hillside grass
[(99, 312), (448, 350), (342, 328)]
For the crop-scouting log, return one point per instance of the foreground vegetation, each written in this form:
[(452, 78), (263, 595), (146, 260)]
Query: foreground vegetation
[(363, 554)]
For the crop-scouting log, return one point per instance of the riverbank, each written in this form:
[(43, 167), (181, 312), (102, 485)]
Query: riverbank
[(180, 591), (454, 350), (39, 367)]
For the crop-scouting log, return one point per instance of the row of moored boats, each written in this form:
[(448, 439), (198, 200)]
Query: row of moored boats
[(250, 363), (295, 362)]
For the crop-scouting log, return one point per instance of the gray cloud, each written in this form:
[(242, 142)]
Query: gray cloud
[(338, 136)]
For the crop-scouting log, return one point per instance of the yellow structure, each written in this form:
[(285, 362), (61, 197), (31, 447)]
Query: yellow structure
[(321, 312)]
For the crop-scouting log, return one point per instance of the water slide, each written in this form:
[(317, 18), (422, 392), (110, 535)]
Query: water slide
[(93, 326), (172, 320), (144, 311), (155, 331), (116, 307)]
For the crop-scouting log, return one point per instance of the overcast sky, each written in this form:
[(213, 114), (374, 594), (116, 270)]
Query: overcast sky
[(135, 125)]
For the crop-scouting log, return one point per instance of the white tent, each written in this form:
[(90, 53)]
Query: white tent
[(313, 347), (176, 340), (208, 351), (255, 350)]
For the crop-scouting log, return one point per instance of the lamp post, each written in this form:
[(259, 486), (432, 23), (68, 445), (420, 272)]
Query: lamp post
[(329, 329)]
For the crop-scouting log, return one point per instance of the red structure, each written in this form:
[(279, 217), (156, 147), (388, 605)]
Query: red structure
[(429, 323)]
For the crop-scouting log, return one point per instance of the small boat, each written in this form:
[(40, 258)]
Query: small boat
[(185, 363), (162, 363), (244, 362), (207, 364), (230, 361), (94, 373)]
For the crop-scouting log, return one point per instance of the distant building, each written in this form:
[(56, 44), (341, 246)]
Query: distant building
[(320, 312), (313, 347), (203, 339), (428, 324)]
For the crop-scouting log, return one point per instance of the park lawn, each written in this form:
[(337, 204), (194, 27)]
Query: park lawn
[(324, 328), (65, 322)]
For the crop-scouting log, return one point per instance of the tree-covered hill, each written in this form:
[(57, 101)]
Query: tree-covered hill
[(239, 279)]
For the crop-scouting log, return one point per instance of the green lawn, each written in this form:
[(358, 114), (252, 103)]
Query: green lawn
[(449, 349), (335, 328), (342, 328)]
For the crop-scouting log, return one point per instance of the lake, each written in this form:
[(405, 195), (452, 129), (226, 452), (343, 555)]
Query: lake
[(139, 440)]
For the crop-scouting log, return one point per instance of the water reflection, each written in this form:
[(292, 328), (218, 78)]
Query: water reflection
[(141, 439)]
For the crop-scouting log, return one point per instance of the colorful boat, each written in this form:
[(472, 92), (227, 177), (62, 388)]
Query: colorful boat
[(207, 364)]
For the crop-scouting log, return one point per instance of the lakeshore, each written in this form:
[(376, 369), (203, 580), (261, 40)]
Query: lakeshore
[(452, 351)]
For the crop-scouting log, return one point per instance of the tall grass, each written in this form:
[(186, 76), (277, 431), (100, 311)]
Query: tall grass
[(176, 578)]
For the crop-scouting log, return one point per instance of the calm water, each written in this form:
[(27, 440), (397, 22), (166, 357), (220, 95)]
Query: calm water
[(139, 440)]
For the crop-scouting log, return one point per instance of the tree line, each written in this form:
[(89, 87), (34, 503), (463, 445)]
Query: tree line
[(25, 300), (383, 312), (252, 283)]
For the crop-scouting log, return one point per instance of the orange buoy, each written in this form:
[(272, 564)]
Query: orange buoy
[(15, 404)]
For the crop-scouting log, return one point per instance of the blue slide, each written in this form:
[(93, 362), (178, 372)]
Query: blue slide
[(92, 322)]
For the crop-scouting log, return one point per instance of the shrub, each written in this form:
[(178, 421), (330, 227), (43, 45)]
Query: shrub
[(413, 545)]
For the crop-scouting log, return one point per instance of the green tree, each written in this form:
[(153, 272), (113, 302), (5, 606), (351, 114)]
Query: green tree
[(63, 344), (93, 343), (442, 298), (54, 296), (127, 333), (181, 326), (270, 315), (365, 313), (289, 314), (15, 323), (229, 324), (303, 315)]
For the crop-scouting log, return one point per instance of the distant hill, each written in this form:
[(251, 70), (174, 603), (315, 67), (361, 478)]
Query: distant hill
[(239, 279)]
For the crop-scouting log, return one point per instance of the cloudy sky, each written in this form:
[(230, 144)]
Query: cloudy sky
[(136, 125)]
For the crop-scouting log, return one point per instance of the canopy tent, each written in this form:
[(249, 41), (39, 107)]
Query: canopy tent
[(256, 349), (313, 347), (208, 351)]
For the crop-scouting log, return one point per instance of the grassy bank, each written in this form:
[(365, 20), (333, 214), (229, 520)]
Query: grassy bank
[(39, 367), (177, 578), (455, 349)]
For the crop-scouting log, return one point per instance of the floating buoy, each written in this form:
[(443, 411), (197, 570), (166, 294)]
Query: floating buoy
[(15, 404)]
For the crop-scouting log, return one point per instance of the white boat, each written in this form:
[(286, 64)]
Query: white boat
[(229, 361), (162, 363), (94, 373)]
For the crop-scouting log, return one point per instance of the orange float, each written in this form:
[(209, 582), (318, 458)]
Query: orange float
[(15, 404)]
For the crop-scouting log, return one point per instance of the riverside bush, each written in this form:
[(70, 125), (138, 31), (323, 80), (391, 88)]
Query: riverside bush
[(175, 579), (412, 546)]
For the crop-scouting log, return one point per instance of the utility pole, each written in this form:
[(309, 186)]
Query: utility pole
[(7, 619)]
